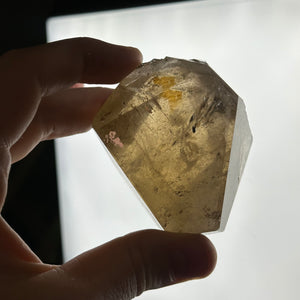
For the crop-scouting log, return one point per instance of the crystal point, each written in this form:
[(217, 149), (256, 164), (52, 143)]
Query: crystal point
[(181, 136)]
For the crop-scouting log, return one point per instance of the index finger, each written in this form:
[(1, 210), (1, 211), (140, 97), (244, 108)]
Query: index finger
[(29, 74), (83, 60)]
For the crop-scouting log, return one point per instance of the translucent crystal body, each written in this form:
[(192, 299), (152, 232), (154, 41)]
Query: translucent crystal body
[(171, 126)]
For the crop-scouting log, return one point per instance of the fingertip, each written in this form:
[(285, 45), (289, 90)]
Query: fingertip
[(211, 257), (137, 56), (130, 58), (110, 63), (182, 256), (195, 260)]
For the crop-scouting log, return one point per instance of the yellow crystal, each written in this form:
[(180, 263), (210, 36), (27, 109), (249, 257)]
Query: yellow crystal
[(170, 126)]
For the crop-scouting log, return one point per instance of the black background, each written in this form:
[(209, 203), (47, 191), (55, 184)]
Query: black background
[(31, 207)]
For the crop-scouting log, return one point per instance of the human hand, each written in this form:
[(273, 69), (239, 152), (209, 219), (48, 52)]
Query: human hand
[(37, 104)]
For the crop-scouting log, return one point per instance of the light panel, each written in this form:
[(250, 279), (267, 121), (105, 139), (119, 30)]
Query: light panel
[(254, 46)]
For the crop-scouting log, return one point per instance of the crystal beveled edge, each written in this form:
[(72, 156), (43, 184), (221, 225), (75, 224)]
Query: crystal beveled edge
[(130, 185), (242, 141)]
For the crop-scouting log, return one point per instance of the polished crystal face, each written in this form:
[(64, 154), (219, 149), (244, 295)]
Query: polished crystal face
[(181, 136)]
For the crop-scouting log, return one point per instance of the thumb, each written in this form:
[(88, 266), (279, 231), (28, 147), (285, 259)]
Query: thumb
[(130, 265)]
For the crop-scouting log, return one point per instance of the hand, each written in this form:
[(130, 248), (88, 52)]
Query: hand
[(37, 104)]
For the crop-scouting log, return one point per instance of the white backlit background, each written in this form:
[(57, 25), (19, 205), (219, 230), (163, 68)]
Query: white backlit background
[(255, 47)]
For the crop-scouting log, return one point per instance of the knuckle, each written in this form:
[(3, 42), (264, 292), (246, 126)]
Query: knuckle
[(4, 143), (149, 260), (4, 170), (138, 265)]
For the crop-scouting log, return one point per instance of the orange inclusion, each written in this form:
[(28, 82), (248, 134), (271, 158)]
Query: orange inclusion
[(166, 83), (172, 96)]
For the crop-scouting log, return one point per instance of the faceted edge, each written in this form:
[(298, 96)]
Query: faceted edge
[(129, 183), (241, 144)]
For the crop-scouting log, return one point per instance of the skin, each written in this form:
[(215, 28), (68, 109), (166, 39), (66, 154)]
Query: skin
[(38, 103)]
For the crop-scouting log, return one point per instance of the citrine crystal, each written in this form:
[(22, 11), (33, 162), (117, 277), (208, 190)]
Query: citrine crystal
[(181, 136)]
